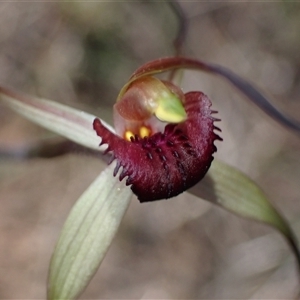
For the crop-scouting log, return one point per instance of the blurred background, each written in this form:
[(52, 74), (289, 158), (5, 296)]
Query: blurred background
[(81, 54)]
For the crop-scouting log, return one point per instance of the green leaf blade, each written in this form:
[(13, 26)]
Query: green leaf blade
[(232, 190), (87, 235), (71, 123)]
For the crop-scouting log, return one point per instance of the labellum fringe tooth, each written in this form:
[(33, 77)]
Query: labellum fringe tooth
[(166, 163)]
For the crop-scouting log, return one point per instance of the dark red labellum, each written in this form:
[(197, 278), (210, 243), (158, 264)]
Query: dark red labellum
[(167, 163)]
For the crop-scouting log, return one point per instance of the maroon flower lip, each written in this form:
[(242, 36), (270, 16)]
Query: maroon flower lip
[(167, 163)]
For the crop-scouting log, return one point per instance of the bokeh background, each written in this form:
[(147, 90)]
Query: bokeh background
[(81, 54)]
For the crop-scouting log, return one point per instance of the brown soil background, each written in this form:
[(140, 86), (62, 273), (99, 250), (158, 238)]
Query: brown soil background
[(81, 54)]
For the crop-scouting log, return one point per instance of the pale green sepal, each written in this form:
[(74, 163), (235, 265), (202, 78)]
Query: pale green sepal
[(170, 109), (87, 235), (231, 189), (73, 124)]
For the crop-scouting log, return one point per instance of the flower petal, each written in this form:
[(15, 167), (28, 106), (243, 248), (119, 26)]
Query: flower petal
[(166, 164), (73, 124), (86, 235), (231, 189), (244, 86)]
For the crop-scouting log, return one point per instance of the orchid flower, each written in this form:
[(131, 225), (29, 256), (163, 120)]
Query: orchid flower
[(162, 144)]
